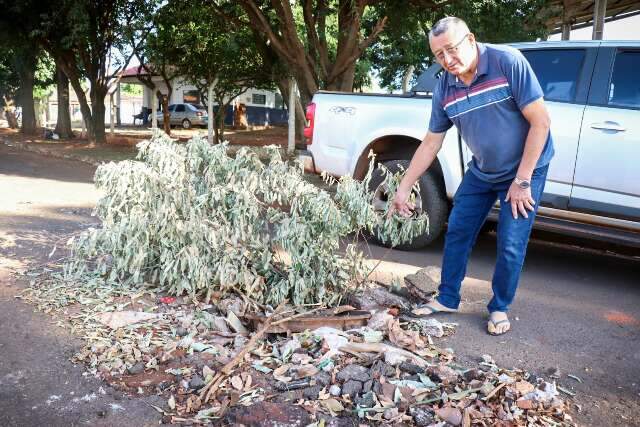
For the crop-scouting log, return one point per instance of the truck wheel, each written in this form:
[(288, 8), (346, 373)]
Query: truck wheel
[(432, 200)]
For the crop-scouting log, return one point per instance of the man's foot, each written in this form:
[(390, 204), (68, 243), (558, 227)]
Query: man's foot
[(433, 307), (498, 323)]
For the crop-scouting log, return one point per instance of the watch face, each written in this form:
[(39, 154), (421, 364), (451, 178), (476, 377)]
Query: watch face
[(524, 184)]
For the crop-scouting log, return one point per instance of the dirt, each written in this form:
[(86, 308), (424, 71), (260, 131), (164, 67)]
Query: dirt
[(44, 201)]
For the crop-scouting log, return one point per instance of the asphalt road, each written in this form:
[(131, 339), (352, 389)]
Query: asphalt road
[(576, 310)]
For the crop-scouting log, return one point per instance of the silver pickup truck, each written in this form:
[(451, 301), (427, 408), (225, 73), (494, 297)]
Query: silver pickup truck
[(592, 91)]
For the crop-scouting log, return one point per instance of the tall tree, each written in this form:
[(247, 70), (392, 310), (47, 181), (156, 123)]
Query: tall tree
[(214, 52), (404, 47), (86, 38)]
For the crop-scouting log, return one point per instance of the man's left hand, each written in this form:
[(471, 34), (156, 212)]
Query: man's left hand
[(521, 200)]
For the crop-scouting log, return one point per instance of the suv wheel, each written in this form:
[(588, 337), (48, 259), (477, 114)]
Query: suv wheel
[(431, 199), (186, 124)]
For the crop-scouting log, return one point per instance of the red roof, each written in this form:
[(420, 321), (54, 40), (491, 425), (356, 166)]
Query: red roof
[(133, 71)]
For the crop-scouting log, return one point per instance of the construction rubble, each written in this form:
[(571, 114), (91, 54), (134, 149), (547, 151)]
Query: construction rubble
[(233, 362)]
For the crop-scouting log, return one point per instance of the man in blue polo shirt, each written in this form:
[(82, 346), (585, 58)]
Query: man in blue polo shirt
[(492, 96)]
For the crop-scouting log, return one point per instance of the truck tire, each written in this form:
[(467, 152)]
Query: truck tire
[(432, 200)]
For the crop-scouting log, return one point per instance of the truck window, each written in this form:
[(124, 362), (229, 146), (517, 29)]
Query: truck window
[(624, 89), (557, 70)]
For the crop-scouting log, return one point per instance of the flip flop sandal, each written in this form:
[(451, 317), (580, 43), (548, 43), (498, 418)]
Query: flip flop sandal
[(495, 327)]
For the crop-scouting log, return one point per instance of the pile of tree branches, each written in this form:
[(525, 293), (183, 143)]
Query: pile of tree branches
[(190, 219)]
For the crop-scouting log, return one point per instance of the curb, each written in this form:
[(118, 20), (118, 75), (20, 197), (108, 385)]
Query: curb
[(52, 153)]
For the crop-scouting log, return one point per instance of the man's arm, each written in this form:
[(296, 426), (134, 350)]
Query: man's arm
[(538, 117), (420, 162)]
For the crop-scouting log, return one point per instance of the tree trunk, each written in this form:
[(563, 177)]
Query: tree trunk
[(344, 82), (218, 124), (98, 134), (63, 123), (166, 117), (27, 70)]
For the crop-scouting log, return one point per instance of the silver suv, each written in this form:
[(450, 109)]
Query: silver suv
[(185, 115)]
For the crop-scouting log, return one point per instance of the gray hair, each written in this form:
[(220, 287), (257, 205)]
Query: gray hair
[(446, 24)]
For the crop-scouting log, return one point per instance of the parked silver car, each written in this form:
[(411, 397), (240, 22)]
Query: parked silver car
[(185, 115)]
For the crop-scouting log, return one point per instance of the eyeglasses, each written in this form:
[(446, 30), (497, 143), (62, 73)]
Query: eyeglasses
[(451, 50)]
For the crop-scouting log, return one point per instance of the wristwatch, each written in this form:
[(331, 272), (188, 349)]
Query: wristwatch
[(522, 183)]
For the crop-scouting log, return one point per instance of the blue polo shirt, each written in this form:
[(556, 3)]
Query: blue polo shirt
[(488, 113)]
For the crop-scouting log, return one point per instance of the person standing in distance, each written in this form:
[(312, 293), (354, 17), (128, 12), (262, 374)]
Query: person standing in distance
[(491, 94)]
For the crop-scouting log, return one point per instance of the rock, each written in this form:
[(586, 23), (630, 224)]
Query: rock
[(381, 369), (196, 382), (377, 297), (379, 320), (366, 401), (236, 324), (352, 388), (473, 374), (220, 324), (367, 386), (312, 393), (290, 346), (267, 414), (353, 372), (411, 368), (377, 387), (232, 304), (451, 415), (421, 417), (136, 369), (431, 327), (239, 342), (486, 389), (322, 378), (335, 390), (390, 413), (442, 374), (525, 404), (424, 283), (181, 332), (394, 358)]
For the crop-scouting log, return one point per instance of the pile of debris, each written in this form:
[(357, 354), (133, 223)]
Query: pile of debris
[(371, 362)]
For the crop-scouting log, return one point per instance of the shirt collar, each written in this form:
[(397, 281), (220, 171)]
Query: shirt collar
[(482, 68)]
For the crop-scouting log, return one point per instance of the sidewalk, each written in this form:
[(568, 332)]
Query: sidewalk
[(122, 145)]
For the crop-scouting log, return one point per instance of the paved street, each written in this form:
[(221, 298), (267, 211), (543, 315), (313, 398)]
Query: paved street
[(576, 310)]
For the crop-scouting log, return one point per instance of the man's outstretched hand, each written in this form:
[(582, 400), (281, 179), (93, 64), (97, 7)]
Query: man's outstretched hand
[(401, 204)]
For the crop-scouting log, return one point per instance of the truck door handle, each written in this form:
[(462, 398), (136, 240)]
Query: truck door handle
[(608, 126)]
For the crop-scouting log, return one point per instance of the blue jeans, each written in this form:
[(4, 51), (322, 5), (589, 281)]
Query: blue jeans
[(471, 205)]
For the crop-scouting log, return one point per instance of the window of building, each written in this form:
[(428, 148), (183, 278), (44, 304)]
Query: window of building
[(624, 89), (259, 99), (191, 97), (557, 71)]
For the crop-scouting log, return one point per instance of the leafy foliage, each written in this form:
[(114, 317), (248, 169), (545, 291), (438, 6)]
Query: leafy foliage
[(404, 42), (191, 219)]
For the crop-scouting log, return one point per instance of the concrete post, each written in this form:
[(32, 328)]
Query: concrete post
[(210, 113), (292, 116), (599, 12), (154, 107), (118, 103), (112, 116)]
